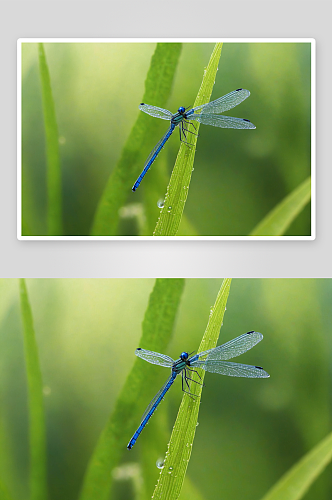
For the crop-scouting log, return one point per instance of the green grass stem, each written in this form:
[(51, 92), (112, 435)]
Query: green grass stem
[(295, 483), (278, 220), (157, 330), (54, 189), (180, 445), (177, 190), (158, 86), (37, 430)]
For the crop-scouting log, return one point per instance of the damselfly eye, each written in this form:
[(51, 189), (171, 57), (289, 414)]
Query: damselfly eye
[(184, 356), (181, 109)]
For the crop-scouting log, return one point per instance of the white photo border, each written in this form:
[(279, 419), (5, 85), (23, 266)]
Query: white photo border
[(21, 41)]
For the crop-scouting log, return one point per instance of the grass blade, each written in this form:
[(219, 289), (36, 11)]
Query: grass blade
[(177, 191), (54, 197), (280, 218), (158, 87), (156, 332), (179, 448), (37, 431), (296, 482)]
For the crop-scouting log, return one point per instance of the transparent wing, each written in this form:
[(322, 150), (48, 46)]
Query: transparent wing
[(164, 114), (155, 398), (231, 349), (232, 369), (154, 357), (221, 121), (225, 102)]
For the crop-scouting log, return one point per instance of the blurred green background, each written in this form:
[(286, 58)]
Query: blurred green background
[(250, 431), (242, 173)]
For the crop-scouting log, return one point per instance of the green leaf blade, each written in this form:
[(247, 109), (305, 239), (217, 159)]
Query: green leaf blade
[(280, 218), (37, 430), (180, 445), (296, 482), (177, 191), (158, 86), (156, 332), (54, 190)]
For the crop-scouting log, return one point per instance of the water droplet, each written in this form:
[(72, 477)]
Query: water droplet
[(160, 203), (170, 470), (160, 463)]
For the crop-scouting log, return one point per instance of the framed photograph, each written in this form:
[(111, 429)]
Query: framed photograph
[(166, 138)]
